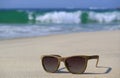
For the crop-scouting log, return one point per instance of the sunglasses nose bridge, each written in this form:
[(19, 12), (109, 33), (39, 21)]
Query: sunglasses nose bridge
[(62, 59)]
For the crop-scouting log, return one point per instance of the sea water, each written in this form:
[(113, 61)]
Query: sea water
[(17, 23)]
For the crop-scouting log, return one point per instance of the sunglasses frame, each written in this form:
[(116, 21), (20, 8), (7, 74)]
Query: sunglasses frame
[(63, 59)]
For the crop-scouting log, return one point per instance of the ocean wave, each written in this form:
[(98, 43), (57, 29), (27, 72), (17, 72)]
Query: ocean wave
[(59, 17), (78, 17), (107, 17)]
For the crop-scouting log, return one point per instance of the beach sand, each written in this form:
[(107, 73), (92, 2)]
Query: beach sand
[(20, 58)]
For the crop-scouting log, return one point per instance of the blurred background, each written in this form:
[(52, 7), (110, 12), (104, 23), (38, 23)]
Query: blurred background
[(31, 18)]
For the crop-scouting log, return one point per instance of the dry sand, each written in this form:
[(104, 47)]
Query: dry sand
[(20, 58)]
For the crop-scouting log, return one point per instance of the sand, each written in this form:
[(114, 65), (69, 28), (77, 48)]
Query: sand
[(20, 58)]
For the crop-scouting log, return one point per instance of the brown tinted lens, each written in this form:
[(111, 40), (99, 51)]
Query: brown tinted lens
[(50, 64), (75, 64)]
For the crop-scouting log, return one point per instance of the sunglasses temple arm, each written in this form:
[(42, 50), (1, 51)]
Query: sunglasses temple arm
[(95, 57)]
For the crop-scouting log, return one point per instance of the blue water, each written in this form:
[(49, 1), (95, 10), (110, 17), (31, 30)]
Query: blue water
[(31, 23)]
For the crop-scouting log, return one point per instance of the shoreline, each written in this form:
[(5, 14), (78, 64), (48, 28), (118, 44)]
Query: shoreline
[(29, 37)]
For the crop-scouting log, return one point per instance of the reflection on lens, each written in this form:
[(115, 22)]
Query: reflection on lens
[(50, 63), (75, 64)]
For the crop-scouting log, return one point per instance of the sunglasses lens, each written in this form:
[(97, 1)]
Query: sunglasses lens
[(50, 64), (75, 64)]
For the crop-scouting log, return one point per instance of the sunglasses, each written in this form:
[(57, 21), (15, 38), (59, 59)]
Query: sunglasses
[(74, 64)]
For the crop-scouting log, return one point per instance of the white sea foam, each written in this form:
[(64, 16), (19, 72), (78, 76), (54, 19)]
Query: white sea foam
[(60, 17), (107, 17), (8, 31), (14, 31)]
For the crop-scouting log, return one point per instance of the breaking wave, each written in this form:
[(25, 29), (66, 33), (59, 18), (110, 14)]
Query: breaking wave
[(59, 17)]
